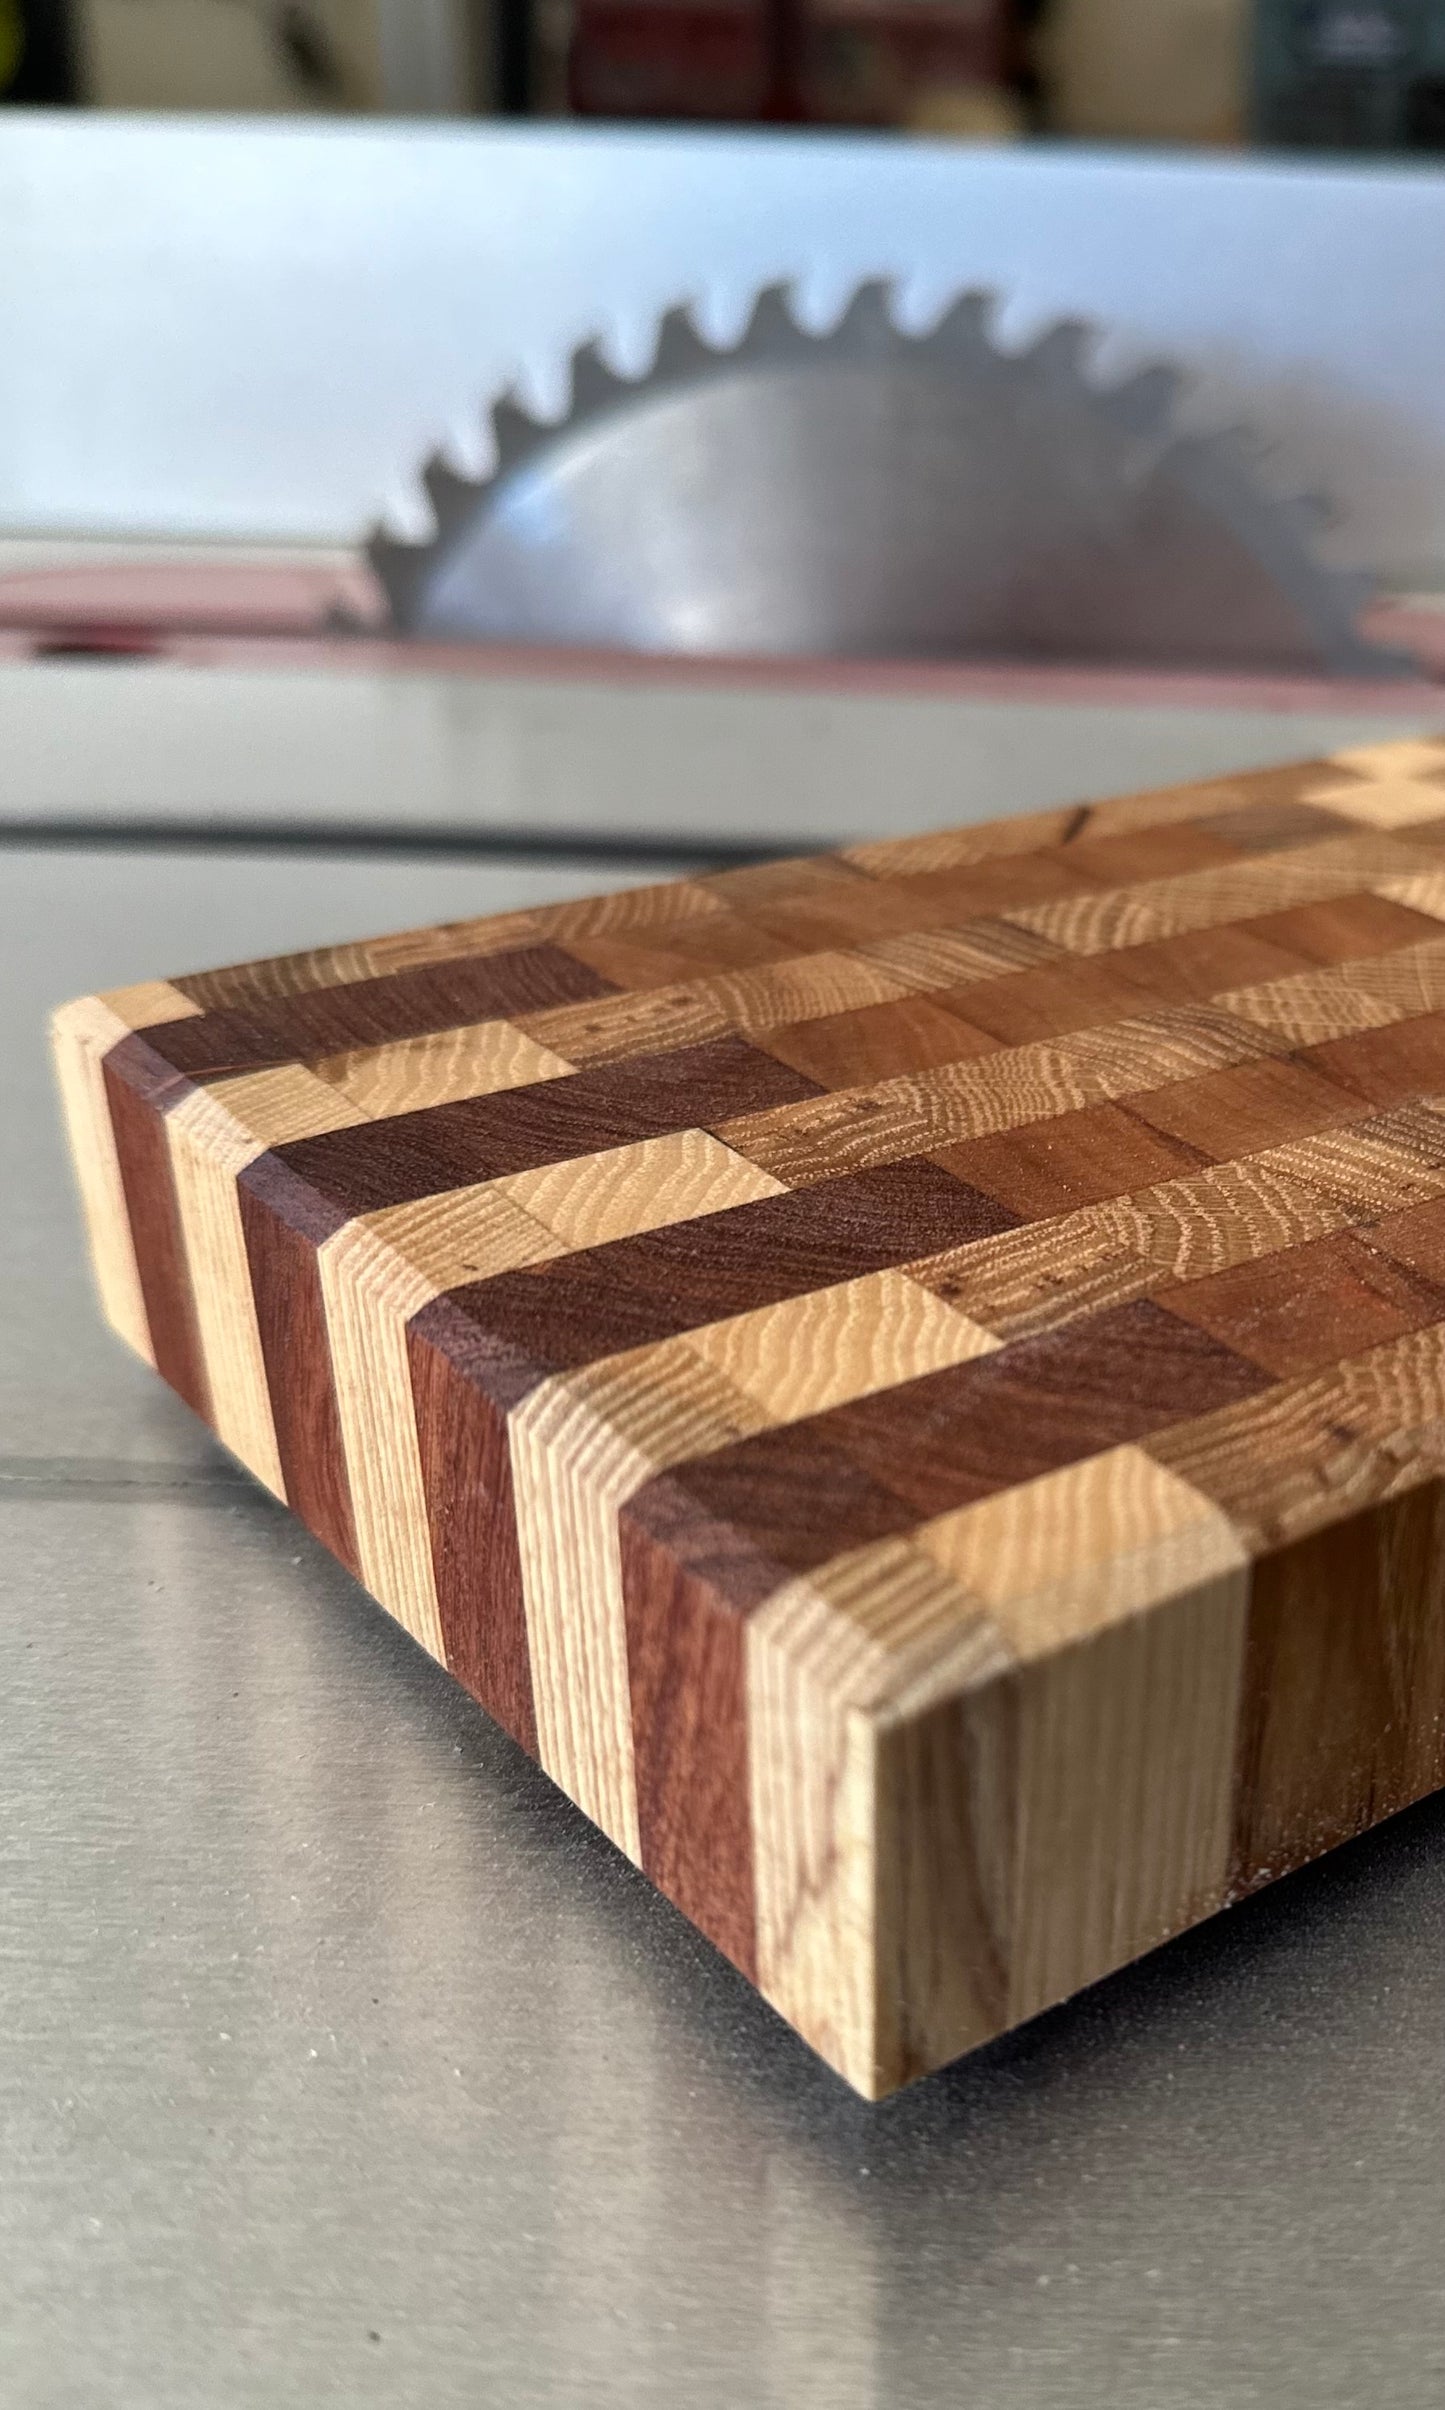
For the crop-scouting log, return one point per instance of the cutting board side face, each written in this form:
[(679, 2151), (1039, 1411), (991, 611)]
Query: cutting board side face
[(912, 1382)]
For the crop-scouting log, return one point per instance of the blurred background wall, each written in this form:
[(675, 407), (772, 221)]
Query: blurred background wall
[(1336, 74)]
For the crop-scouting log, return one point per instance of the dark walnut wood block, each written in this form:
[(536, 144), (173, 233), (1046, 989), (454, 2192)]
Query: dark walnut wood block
[(913, 1382)]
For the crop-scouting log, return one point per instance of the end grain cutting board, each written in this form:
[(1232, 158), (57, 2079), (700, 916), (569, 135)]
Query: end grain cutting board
[(913, 1382)]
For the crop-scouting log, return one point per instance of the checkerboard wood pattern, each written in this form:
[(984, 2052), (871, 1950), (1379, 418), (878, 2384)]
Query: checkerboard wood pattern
[(912, 1382)]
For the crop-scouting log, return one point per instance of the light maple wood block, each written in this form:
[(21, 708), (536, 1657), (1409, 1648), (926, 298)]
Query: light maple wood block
[(913, 1383)]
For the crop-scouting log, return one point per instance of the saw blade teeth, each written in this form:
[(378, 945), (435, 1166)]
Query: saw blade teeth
[(966, 326), (772, 325), (681, 345), (1062, 350), (1131, 424), (868, 322), (450, 494), (595, 382), (515, 432), (1145, 403)]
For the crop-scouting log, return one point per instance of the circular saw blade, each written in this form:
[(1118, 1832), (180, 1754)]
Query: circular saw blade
[(871, 492)]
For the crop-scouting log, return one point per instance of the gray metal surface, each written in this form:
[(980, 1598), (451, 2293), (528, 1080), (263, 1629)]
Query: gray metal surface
[(240, 330), (818, 765), (341, 2062), (875, 492)]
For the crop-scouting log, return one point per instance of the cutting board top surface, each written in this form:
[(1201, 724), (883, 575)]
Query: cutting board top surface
[(853, 1297)]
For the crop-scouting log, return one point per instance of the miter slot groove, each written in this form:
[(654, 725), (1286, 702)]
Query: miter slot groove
[(138, 832)]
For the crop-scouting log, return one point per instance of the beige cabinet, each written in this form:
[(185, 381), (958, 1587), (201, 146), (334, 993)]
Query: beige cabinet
[(1151, 70), (400, 57)]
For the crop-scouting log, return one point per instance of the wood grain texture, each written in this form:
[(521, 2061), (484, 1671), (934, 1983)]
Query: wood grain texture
[(139, 1087), (913, 1382), (213, 1135), (82, 1035)]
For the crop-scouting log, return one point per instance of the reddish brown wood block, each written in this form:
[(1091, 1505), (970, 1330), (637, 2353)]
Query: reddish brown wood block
[(879, 1041), (1344, 929), (1199, 963), (1301, 1311), (1048, 1167), (913, 1383), (1251, 1106)]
